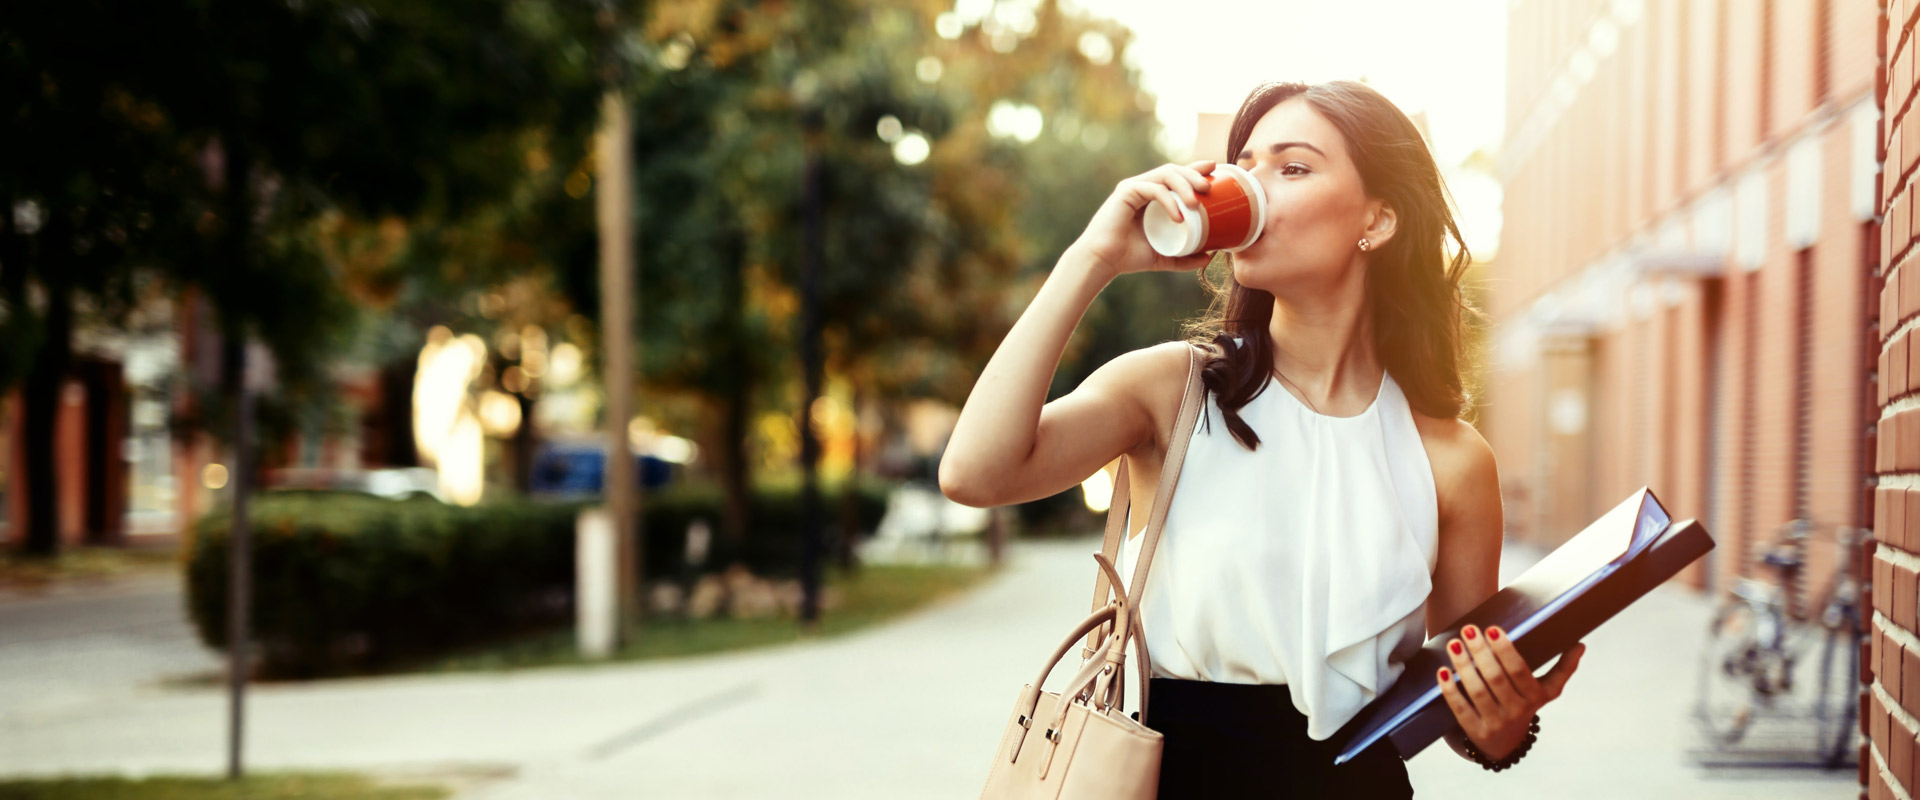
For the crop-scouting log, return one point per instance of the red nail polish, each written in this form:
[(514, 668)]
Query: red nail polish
[(1493, 633), (1445, 674), (1454, 646), (1469, 631)]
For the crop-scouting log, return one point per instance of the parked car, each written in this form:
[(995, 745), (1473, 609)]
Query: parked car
[(392, 483), (576, 467)]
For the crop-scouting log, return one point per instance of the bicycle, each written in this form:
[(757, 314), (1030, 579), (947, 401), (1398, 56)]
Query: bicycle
[(1755, 641)]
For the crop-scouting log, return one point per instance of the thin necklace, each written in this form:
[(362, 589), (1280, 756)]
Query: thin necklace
[(1303, 392)]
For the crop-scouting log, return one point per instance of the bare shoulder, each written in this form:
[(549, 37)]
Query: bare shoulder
[(1153, 378), (1464, 473)]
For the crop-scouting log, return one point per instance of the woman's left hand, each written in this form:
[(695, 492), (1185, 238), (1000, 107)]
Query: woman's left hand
[(1497, 694)]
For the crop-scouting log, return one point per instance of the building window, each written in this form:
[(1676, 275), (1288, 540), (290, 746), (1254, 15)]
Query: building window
[(149, 454), (1803, 191), (1713, 223), (152, 360)]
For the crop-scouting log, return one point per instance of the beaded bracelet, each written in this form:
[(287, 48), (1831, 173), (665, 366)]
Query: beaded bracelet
[(1512, 758)]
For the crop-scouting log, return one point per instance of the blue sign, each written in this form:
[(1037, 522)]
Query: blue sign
[(580, 469)]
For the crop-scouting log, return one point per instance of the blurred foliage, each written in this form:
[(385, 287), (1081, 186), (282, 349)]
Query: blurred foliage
[(411, 163), (200, 143), (123, 137), (925, 265), (341, 581), (769, 546), (346, 583)]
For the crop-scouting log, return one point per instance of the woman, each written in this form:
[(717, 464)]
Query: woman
[(1323, 522)]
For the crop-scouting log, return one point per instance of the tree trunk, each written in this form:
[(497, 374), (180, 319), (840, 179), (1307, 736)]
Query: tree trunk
[(736, 474), (41, 396), (736, 401), (524, 443), (811, 368)]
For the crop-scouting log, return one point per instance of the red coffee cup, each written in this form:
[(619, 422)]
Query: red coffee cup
[(1231, 215)]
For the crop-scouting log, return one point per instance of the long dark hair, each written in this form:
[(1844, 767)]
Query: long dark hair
[(1414, 301)]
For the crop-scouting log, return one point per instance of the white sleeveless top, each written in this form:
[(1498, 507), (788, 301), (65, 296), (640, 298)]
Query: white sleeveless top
[(1306, 562)]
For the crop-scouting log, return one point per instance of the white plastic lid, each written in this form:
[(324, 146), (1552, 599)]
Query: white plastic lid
[(1174, 239)]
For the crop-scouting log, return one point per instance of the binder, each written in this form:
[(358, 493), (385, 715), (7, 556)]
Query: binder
[(1616, 560)]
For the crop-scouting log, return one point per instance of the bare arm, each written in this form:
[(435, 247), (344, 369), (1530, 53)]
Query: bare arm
[(1075, 435), (1001, 450), (1471, 525), (1467, 571), (1010, 445), (1496, 694)]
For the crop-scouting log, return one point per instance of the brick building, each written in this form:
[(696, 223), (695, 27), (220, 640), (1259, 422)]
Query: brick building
[(1686, 289), (1689, 215), (126, 472)]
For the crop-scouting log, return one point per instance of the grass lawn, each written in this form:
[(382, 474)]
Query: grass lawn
[(307, 786), (82, 564), (873, 594)]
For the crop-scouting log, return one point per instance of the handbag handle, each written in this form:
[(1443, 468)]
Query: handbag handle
[(1109, 688), (1178, 439), (1030, 696), (1029, 701)]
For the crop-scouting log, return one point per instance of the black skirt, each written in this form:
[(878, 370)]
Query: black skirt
[(1247, 740)]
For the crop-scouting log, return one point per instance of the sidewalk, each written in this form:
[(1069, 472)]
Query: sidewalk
[(87, 642), (907, 710), (619, 726), (1622, 728)]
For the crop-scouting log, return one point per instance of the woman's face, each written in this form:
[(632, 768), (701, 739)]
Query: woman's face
[(1317, 210)]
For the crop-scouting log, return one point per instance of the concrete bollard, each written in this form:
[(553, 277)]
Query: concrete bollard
[(596, 583)]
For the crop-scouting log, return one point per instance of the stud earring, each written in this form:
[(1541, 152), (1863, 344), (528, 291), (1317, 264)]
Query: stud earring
[(1363, 245)]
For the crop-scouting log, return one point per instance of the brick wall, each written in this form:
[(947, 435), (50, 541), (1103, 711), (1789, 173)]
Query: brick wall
[(1891, 717)]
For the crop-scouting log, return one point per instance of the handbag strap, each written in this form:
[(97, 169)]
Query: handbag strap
[(1103, 589)]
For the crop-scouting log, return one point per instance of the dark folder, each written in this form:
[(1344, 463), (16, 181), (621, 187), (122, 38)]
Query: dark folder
[(1621, 556)]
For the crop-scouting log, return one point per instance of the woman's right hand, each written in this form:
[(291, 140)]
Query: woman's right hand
[(1115, 240)]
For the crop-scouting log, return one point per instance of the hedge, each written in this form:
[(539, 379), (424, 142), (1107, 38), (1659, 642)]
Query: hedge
[(771, 545), (344, 582)]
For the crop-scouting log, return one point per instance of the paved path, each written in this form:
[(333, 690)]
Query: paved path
[(1622, 729), (906, 710), (95, 642)]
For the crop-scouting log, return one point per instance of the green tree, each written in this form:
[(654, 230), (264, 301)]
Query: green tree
[(198, 141), (1013, 206), (923, 264)]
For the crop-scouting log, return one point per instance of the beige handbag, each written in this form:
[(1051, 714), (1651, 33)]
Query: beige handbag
[(1079, 742)]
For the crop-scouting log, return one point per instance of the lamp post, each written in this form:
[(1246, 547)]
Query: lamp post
[(811, 359), (237, 172), (614, 207)]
